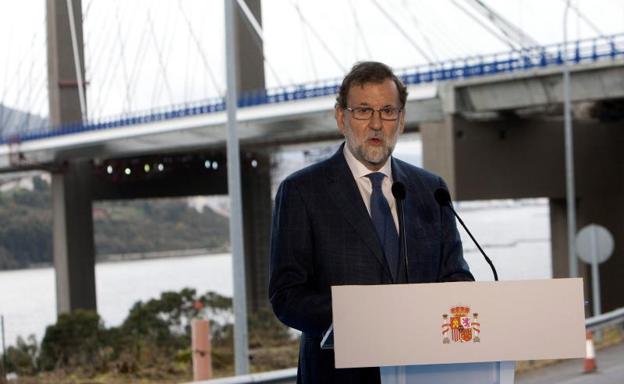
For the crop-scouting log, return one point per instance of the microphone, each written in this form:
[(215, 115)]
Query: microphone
[(443, 198), (398, 191)]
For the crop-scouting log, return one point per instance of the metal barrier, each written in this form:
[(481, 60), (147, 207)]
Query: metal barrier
[(606, 319), (284, 376)]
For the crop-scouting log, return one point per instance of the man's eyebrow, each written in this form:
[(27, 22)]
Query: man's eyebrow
[(365, 104)]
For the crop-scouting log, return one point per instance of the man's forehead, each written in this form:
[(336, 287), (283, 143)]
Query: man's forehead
[(385, 88)]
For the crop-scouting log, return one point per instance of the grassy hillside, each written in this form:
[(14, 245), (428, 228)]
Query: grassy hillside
[(120, 227)]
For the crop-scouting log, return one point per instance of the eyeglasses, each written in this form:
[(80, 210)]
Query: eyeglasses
[(366, 113)]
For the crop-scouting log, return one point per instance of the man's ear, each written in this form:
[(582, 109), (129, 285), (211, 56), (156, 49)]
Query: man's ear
[(402, 121), (339, 115)]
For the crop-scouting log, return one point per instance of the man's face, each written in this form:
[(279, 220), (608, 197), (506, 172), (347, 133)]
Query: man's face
[(371, 141)]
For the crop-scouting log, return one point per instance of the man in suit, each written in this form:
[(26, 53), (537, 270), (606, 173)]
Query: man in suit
[(336, 222)]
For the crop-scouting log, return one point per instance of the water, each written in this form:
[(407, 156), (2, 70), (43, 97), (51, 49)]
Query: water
[(514, 234), (28, 302)]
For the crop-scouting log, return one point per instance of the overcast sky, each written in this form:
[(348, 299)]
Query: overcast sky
[(146, 53)]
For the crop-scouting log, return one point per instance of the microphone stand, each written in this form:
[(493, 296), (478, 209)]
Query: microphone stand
[(402, 237), (399, 193), (474, 241)]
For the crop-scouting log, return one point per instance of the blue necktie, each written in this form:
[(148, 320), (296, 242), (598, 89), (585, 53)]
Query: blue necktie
[(384, 223)]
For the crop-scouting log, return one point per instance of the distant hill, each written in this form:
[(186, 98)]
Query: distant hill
[(121, 227), (13, 122)]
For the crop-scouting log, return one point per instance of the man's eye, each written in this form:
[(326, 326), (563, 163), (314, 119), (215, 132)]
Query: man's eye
[(364, 110)]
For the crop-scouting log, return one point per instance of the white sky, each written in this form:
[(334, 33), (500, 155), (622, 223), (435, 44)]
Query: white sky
[(146, 53)]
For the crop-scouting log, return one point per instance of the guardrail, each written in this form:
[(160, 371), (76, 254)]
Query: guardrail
[(606, 319), (284, 376), (577, 52), (290, 375)]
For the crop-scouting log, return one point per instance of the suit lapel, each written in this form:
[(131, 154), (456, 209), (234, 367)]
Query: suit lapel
[(347, 198)]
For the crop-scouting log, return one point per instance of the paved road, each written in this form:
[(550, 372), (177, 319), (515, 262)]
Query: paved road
[(610, 370)]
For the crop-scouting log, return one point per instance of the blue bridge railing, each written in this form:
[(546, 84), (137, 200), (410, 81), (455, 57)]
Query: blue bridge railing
[(578, 52)]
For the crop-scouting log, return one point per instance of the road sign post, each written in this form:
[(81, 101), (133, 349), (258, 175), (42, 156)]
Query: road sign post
[(594, 244)]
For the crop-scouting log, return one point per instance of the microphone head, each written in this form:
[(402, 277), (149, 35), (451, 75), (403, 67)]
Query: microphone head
[(442, 196), (398, 190)]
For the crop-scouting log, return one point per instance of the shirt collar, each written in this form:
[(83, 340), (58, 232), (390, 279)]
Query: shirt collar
[(359, 170)]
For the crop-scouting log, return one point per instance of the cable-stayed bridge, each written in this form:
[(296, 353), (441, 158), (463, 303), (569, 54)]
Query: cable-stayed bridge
[(303, 112)]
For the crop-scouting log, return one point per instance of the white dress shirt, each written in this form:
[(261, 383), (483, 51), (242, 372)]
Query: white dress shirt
[(365, 186)]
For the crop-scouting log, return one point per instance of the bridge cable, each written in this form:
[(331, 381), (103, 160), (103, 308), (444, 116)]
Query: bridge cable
[(358, 27), (86, 10), (139, 59), (416, 26), (38, 83), (168, 49), (188, 70), (122, 52), (5, 82), (202, 54), (251, 19), (504, 38), (318, 38), (161, 63), (97, 50), (443, 38), (15, 80), (77, 64), (402, 31), (587, 21), (511, 31), (26, 118), (307, 49)]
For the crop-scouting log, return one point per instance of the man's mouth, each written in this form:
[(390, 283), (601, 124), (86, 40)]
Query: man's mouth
[(375, 141)]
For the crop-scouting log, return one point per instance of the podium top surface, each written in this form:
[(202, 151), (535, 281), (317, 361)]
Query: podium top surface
[(460, 322)]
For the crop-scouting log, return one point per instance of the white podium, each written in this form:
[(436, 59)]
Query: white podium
[(461, 332)]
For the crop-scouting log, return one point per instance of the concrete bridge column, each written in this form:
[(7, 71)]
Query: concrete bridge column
[(256, 191), (256, 177), (74, 250), (249, 49), (523, 157)]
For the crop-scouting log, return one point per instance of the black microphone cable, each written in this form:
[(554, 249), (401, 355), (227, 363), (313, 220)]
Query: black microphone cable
[(443, 198)]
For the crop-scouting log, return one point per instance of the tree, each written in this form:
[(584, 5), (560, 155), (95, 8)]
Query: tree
[(76, 340)]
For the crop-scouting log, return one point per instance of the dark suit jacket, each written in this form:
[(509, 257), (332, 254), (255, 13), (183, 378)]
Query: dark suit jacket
[(322, 235)]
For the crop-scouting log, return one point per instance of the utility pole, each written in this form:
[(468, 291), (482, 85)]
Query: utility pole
[(4, 356), (241, 353), (569, 152)]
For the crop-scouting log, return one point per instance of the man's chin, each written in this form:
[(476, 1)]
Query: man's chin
[(376, 161)]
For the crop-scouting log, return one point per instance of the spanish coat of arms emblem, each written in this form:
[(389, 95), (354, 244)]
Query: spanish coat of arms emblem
[(459, 327)]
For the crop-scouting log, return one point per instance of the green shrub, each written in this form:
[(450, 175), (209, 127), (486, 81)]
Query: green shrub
[(78, 339), (154, 341), (22, 358)]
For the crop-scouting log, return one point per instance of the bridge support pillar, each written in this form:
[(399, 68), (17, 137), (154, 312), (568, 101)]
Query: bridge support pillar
[(513, 157), (256, 190), (74, 250), (249, 49)]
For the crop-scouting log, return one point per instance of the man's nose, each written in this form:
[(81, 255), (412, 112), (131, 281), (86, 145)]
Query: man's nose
[(375, 121)]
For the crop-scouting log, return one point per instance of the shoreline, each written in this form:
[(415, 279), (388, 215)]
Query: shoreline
[(134, 256)]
